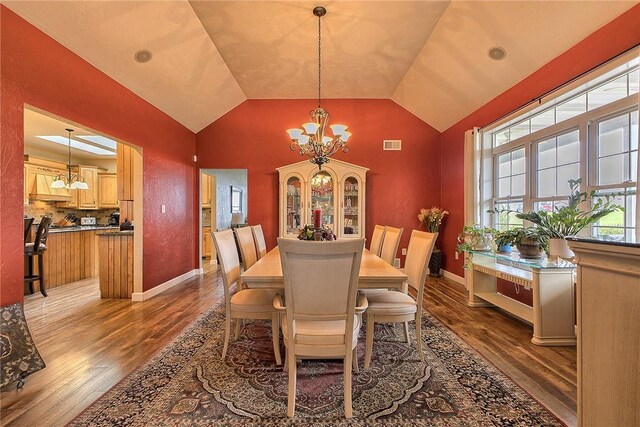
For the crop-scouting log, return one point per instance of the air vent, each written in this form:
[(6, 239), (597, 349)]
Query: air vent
[(392, 144)]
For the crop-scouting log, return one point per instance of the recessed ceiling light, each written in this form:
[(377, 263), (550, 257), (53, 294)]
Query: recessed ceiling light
[(142, 56), (497, 53), (77, 145)]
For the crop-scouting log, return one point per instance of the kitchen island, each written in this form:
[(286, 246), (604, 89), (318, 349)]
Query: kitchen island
[(115, 249), (71, 255)]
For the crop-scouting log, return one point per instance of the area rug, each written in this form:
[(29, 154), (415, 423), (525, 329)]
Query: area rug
[(187, 384)]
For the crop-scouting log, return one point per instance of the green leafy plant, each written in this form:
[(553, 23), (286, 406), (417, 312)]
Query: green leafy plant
[(530, 241), (474, 238), (507, 237), (570, 219)]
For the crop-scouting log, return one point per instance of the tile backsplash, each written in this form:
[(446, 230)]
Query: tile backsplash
[(38, 208)]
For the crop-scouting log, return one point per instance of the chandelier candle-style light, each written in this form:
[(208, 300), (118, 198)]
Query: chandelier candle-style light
[(312, 140), (70, 181)]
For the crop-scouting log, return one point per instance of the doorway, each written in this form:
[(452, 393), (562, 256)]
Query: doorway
[(223, 205)]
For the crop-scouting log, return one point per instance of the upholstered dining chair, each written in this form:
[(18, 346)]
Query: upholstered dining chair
[(394, 306), (258, 237), (246, 303), (390, 243), (376, 239), (320, 318)]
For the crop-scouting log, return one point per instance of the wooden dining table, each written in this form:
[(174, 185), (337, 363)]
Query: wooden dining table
[(375, 273)]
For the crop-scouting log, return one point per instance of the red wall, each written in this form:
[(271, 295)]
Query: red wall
[(399, 183), (609, 41), (38, 71)]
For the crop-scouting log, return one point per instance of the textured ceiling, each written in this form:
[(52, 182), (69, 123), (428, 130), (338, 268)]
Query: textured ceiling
[(209, 56)]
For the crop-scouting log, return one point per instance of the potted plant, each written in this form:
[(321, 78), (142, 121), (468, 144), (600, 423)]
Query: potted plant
[(529, 241), (570, 219), (432, 220), (474, 238), (505, 239)]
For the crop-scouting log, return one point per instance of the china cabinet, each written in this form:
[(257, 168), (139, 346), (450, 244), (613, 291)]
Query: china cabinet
[(333, 197)]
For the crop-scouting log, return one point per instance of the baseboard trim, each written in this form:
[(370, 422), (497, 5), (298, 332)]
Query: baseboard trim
[(453, 277), (199, 271), (143, 296)]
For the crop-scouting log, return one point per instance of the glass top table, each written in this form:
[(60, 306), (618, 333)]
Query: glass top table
[(515, 260)]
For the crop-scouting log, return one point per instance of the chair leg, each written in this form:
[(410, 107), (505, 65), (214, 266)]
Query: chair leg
[(238, 324), (369, 343), (291, 403), (227, 332), (31, 274), (419, 339), (406, 332), (356, 368), (41, 274), (348, 412), (275, 332)]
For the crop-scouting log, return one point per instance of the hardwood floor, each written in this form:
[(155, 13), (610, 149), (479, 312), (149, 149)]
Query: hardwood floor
[(90, 344)]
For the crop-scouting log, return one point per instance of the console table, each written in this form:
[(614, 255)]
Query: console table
[(552, 284)]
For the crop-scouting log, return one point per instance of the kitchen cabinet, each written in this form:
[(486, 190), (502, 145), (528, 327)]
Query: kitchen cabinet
[(124, 163), (338, 190), (107, 190), (88, 199), (207, 242), (116, 264), (206, 190), (25, 197)]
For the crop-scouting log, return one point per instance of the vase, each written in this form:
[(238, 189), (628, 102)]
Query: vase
[(505, 249), (560, 248), (435, 263), (529, 249)]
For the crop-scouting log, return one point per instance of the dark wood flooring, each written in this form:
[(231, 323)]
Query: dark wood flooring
[(90, 344)]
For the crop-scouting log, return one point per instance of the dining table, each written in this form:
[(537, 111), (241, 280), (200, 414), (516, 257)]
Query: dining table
[(375, 273)]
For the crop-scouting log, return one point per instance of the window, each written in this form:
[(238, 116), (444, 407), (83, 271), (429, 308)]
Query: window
[(589, 132)]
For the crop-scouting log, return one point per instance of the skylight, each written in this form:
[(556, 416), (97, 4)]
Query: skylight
[(100, 140), (62, 140)]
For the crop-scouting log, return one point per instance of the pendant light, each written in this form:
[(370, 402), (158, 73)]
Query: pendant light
[(69, 181)]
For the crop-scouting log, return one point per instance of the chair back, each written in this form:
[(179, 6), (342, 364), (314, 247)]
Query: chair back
[(42, 233), (416, 265), (376, 239), (247, 246), (258, 237), (390, 243), (229, 261), (28, 222), (320, 280)]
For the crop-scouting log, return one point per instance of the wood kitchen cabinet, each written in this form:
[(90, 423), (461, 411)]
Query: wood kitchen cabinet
[(338, 190), (125, 167), (107, 190), (206, 190), (88, 199), (26, 186), (207, 242)]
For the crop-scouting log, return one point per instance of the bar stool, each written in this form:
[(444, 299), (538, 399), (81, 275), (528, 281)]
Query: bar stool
[(28, 222), (38, 247)]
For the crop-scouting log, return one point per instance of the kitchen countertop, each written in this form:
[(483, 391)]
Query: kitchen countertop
[(117, 233), (55, 230)]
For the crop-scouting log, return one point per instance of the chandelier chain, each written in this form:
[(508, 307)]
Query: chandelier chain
[(319, 58)]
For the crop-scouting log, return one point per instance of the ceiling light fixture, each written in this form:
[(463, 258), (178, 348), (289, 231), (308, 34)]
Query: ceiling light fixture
[(142, 56), (73, 182), (311, 140), (497, 53)]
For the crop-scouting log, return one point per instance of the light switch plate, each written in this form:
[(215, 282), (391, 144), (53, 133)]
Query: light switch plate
[(404, 251), (164, 209)]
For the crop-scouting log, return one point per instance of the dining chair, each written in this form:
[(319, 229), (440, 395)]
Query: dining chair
[(394, 306), (246, 303), (320, 319), (390, 243), (376, 239), (258, 237), (247, 246)]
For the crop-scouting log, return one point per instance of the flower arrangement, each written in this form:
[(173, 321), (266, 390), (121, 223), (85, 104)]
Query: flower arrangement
[(432, 218), (309, 232)]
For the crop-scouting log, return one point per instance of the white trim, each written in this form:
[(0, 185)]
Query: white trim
[(199, 271), (454, 277), (143, 296)]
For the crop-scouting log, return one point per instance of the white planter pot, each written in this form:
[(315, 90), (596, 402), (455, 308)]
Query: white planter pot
[(560, 248)]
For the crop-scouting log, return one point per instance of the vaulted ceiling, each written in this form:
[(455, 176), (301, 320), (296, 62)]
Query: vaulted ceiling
[(209, 56)]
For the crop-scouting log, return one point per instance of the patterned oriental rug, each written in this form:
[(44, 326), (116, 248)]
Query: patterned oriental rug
[(187, 384)]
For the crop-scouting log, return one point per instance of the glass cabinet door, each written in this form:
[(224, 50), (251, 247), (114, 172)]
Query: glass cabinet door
[(293, 208), (322, 197), (351, 207)]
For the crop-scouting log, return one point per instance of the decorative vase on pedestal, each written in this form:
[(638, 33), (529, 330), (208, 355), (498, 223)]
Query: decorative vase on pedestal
[(435, 263)]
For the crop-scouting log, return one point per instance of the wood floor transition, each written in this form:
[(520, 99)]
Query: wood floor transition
[(90, 344)]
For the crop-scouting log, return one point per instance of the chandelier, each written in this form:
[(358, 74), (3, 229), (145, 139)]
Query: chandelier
[(312, 140), (73, 182)]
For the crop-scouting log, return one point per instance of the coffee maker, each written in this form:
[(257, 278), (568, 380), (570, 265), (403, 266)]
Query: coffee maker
[(114, 218)]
